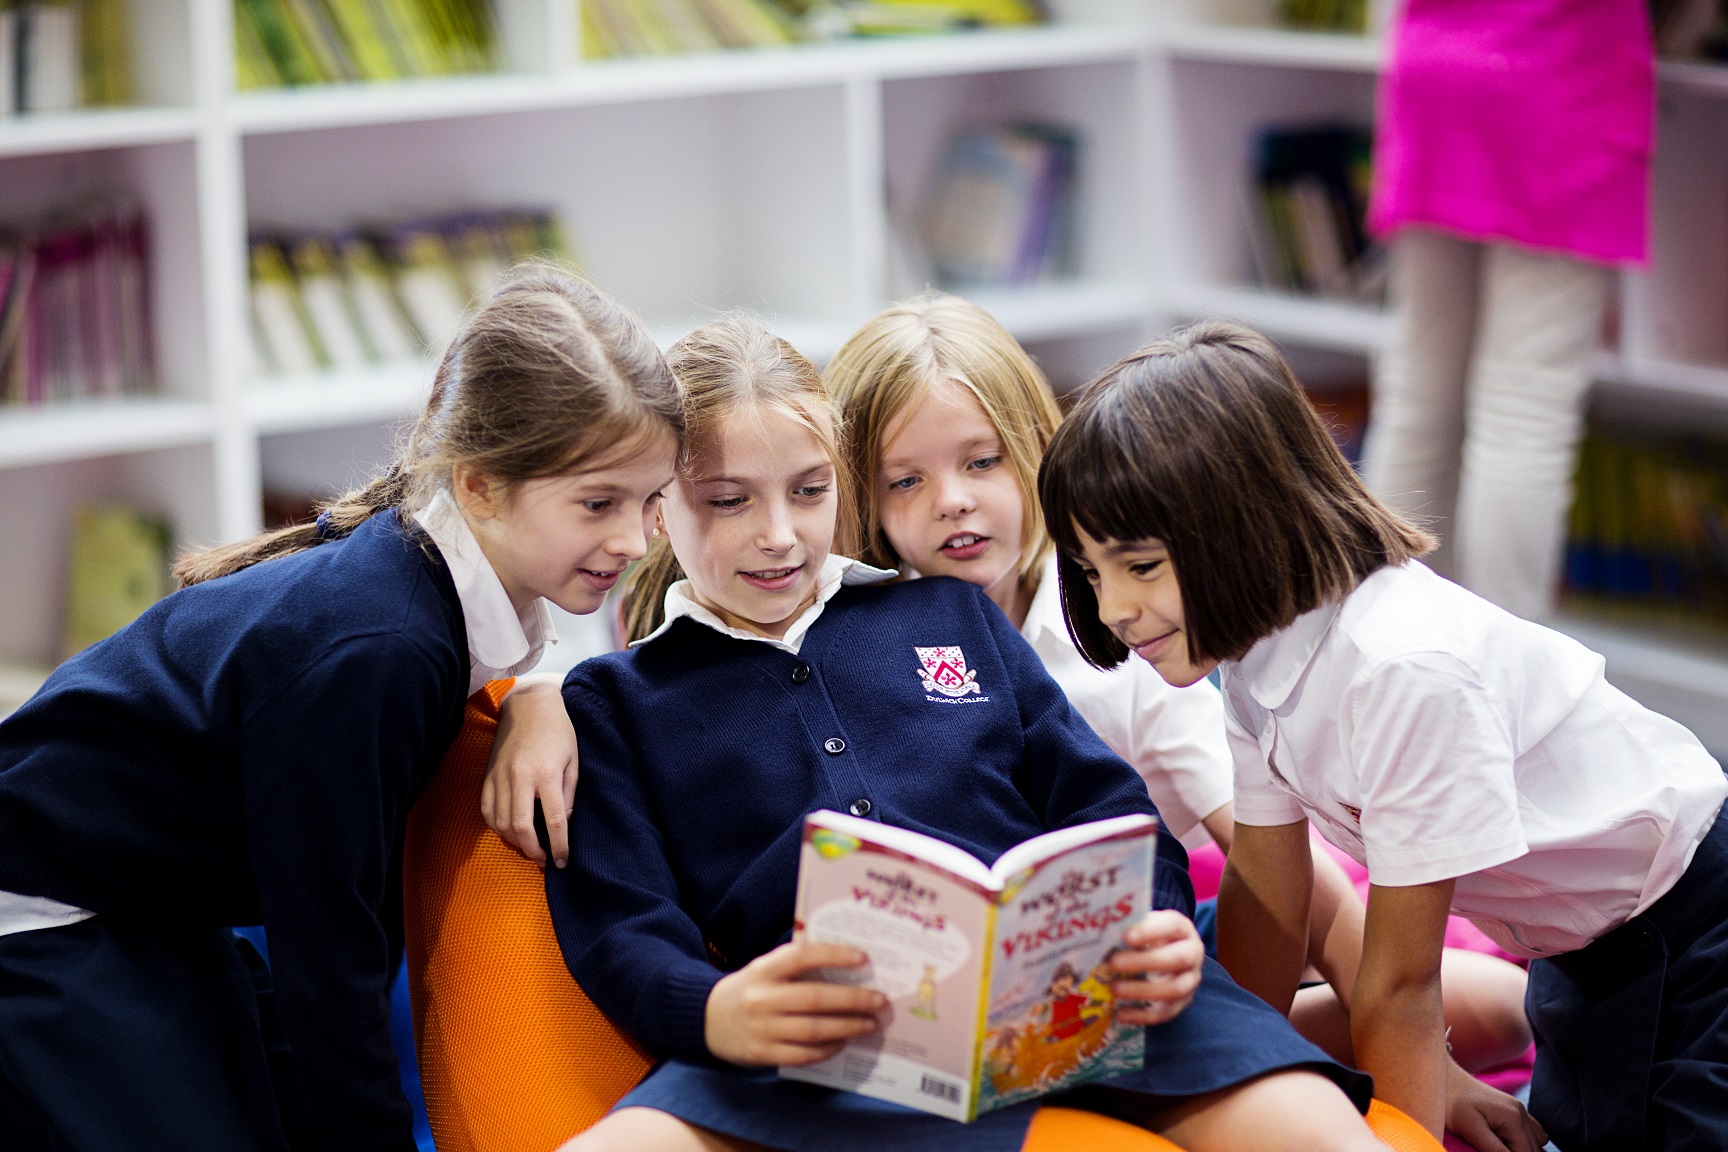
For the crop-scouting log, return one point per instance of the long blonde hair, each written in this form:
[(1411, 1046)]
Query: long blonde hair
[(888, 367), (723, 367), (547, 375)]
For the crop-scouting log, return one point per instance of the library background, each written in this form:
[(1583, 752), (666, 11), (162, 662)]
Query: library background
[(234, 232)]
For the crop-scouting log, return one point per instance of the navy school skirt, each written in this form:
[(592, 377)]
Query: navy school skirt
[(1225, 1037), (113, 1039), (1632, 1030)]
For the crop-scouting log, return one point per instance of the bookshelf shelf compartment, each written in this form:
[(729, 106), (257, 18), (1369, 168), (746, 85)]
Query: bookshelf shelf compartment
[(338, 399), (703, 74), (1062, 309), (1679, 671), (1276, 47), (95, 129), (1304, 320), (53, 433)]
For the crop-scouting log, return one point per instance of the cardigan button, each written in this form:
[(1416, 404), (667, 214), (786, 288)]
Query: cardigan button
[(800, 673), (834, 746), (861, 806)]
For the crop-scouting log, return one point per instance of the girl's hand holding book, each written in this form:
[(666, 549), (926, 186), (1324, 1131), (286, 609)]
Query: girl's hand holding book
[(768, 1013), (534, 757), (1160, 969)]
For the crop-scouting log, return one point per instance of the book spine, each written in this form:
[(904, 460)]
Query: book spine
[(985, 976)]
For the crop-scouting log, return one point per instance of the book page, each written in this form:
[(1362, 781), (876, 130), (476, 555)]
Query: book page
[(1050, 1021), (924, 930)]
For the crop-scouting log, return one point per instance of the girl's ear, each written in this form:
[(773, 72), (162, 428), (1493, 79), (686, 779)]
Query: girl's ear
[(478, 494)]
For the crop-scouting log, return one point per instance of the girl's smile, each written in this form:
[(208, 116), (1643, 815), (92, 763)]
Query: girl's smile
[(965, 546), (773, 579), (1140, 600)]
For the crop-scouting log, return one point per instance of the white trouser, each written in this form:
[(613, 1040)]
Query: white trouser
[(1478, 406)]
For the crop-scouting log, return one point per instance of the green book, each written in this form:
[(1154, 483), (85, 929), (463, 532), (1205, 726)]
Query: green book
[(119, 568)]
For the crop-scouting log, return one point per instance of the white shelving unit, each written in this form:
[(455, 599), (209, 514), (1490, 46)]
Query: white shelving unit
[(784, 181)]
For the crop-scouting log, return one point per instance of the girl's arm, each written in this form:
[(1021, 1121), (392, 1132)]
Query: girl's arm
[(1264, 898), (533, 758), (1397, 1024)]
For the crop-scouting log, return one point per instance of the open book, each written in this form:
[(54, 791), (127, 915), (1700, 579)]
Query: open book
[(997, 978)]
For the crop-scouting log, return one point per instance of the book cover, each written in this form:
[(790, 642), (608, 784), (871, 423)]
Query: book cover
[(996, 977), (119, 568)]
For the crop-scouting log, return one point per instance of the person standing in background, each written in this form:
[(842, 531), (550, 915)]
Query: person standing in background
[(1511, 174)]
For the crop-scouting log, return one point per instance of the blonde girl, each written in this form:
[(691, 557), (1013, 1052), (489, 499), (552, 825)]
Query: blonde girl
[(947, 422), (246, 752), (1472, 761), (769, 676)]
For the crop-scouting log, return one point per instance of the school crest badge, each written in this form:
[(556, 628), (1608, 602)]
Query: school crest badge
[(943, 670)]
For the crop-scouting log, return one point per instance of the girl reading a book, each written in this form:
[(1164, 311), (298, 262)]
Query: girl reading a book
[(769, 677), (1471, 760), (947, 419), (246, 752)]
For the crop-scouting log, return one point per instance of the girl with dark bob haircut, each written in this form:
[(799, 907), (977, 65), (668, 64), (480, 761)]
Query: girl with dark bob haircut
[(1205, 440), (1471, 760)]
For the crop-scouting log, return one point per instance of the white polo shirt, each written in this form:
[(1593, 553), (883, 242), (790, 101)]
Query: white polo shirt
[(1432, 735), (501, 641), (1173, 737)]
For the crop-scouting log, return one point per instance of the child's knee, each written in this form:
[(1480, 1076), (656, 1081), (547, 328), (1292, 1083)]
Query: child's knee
[(644, 1130)]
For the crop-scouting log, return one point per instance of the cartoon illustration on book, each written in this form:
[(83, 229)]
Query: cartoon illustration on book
[(997, 976), (1065, 1005), (925, 1004)]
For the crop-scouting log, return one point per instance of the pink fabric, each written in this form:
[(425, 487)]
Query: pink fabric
[(1529, 121), (1206, 867)]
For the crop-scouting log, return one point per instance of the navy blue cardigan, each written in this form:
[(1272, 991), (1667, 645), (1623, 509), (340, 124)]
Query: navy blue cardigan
[(245, 753), (702, 753)]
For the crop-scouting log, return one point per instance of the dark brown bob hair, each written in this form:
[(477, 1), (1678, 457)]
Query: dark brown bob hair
[(1204, 440)]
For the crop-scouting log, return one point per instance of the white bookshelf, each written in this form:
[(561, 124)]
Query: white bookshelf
[(782, 180)]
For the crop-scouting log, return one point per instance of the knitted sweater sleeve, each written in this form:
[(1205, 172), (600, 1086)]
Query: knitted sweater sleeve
[(329, 762), (626, 939), (1067, 773)]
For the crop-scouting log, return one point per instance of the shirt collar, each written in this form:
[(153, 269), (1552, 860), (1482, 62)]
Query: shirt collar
[(499, 638), (1045, 612), (837, 572), (1272, 668)]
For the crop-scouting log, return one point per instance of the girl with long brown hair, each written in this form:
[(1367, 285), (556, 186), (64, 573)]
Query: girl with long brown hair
[(246, 751)]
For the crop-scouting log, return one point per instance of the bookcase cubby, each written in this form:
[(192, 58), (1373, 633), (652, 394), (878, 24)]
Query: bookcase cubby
[(788, 181)]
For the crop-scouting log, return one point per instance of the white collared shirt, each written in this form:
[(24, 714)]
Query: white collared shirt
[(1431, 735), (501, 642), (1173, 737), (837, 572)]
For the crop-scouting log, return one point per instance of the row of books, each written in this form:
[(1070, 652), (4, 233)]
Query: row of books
[(619, 28), (1307, 223), (616, 28), (1324, 15), (1003, 207), (1649, 523), (66, 54), (384, 293), (291, 42), (1690, 29), (75, 311)]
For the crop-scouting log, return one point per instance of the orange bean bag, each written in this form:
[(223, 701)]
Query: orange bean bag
[(513, 1055)]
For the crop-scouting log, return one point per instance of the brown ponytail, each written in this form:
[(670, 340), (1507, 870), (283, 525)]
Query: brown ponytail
[(722, 367), (548, 375)]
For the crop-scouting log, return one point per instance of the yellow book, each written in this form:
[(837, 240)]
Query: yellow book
[(119, 568)]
